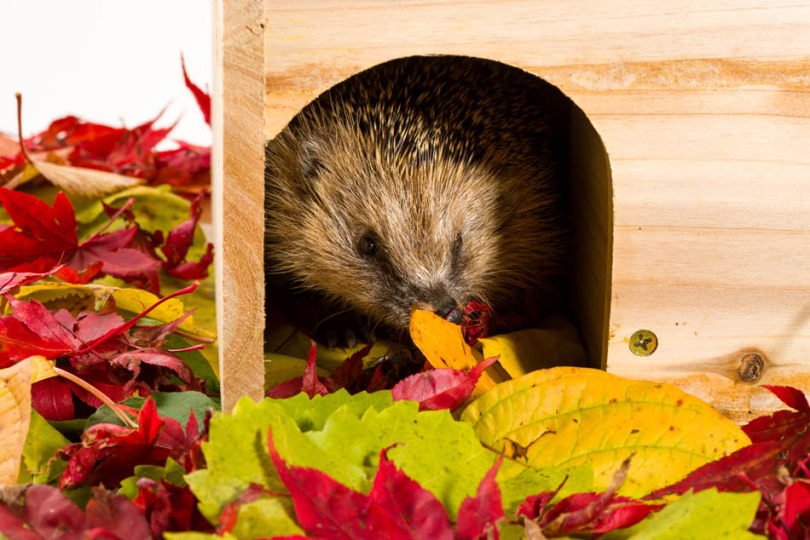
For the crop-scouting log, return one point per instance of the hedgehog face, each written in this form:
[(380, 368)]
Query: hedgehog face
[(380, 235), (379, 226)]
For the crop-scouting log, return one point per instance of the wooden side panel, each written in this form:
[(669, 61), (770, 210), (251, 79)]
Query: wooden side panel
[(704, 110), (238, 195)]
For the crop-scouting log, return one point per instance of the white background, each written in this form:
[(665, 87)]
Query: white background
[(115, 62)]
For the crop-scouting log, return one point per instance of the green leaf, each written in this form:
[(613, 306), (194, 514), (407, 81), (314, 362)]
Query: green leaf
[(41, 444), (177, 405), (311, 414), (342, 436), (236, 452), (266, 518), (155, 209), (432, 448), (236, 455), (195, 360), (73, 429), (173, 473), (707, 515)]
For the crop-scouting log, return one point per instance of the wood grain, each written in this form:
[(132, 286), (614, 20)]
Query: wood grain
[(698, 226), (238, 195)]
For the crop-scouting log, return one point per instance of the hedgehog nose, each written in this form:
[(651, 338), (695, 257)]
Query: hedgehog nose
[(446, 307)]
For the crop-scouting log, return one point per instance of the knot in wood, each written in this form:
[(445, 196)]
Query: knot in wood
[(751, 367)]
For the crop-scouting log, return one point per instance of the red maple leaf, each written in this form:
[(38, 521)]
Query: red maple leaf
[(12, 280), (169, 508), (477, 321), (396, 508), (589, 513), (179, 240), (478, 516), (440, 388), (45, 236), (96, 346), (203, 99), (108, 453), (188, 164), (310, 383), (49, 515), (775, 462)]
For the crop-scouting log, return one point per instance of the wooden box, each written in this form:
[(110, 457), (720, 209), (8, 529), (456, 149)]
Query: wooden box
[(690, 152)]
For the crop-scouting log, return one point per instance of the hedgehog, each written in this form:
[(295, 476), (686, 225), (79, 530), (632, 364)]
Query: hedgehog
[(436, 180)]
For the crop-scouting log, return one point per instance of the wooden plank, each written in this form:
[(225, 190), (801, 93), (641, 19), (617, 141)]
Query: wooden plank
[(704, 111), (312, 46), (238, 195)]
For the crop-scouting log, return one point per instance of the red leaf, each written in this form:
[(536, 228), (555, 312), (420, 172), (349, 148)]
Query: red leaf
[(52, 515), (169, 508), (108, 452), (114, 513), (179, 240), (440, 388), (535, 505), (286, 389), (310, 383), (203, 99), (49, 514), (47, 236), (13, 526), (594, 513), (194, 270), (17, 342), (188, 164), (784, 426), (477, 321), (414, 509), (794, 513), (331, 510), (52, 399), (321, 504), (756, 461), (229, 515), (792, 397), (11, 280), (349, 372), (477, 516), (131, 360)]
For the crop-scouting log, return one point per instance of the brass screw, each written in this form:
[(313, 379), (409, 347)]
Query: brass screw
[(751, 367), (643, 343)]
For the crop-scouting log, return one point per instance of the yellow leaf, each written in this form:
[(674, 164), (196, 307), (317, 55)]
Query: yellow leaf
[(137, 300), (91, 297), (87, 182), (567, 416), (554, 343), (443, 345), (57, 295), (285, 340), (15, 415), (280, 368), (41, 368)]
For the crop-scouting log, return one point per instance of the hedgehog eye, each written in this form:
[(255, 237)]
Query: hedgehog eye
[(367, 246)]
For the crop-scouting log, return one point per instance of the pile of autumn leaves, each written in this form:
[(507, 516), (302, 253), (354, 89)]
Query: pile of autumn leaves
[(120, 371)]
